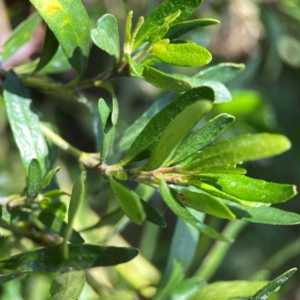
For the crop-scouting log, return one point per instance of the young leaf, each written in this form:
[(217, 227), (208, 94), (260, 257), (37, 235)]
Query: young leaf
[(49, 175), (136, 69), (184, 55), (207, 204), (11, 276), (272, 286), (20, 36), (70, 24), (239, 149), (127, 37), (129, 202), (156, 18), (262, 214), (175, 132), (34, 180), (55, 194), (106, 35), (152, 215), (67, 286), (50, 259), (201, 137), (49, 50), (183, 213), (179, 29), (249, 189), (147, 140), (24, 123)]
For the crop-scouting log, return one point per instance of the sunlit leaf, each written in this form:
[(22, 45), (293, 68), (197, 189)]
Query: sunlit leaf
[(49, 175), (187, 288)]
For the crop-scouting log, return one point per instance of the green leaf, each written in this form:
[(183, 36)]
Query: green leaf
[(148, 138), (55, 194), (179, 29), (187, 288), (50, 259), (11, 276), (262, 214), (207, 204), (67, 286), (24, 123), (49, 175), (136, 69), (224, 170), (34, 180), (183, 213), (49, 50), (59, 226), (156, 18), (129, 201), (58, 208), (228, 289), (223, 72), (201, 137), (184, 55), (106, 35), (239, 149), (165, 81), (127, 47), (70, 24), (152, 215), (272, 286), (249, 189), (20, 36), (175, 132)]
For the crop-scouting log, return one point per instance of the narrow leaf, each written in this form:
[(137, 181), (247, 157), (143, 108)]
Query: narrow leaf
[(201, 137), (136, 69), (175, 132), (34, 180), (147, 140), (49, 175), (67, 286), (153, 216), (106, 35), (50, 259), (55, 194), (24, 123), (187, 288), (127, 37), (11, 276), (183, 213), (272, 286), (70, 24), (129, 202)]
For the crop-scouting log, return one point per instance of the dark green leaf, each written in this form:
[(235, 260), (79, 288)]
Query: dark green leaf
[(20, 36), (34, 180), (49, 175), (272, 286), (58, 208), (156, 18), (179, 29), (106, 35), (11, 276), (183, 213), (67, 286), (49, 50), (239, 149), (201, 137), (24, 123), (70, 24), (148, 138), (175, 132), (19, 215), (129, 202), (153, 216), (50, 259)]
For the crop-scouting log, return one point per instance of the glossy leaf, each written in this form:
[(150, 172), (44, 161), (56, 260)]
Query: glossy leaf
[(106, 35), (50, 259), (262, 214), (165, 81), (272, 286), (207, 204), (34, 180), (152, 215), (148, 138), (240, 149), (71, 26), (156, 18), (184, 55), (187, 288), (179, 29), (223, 72), (222, 170), (249, 189), (20, 36), (49, 175), (67, 286), (11, 276), (175, 132), (183, 213), (201, 137), (49, 50), (59, 226), (136, 69), (129, 201), (24, 123)]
